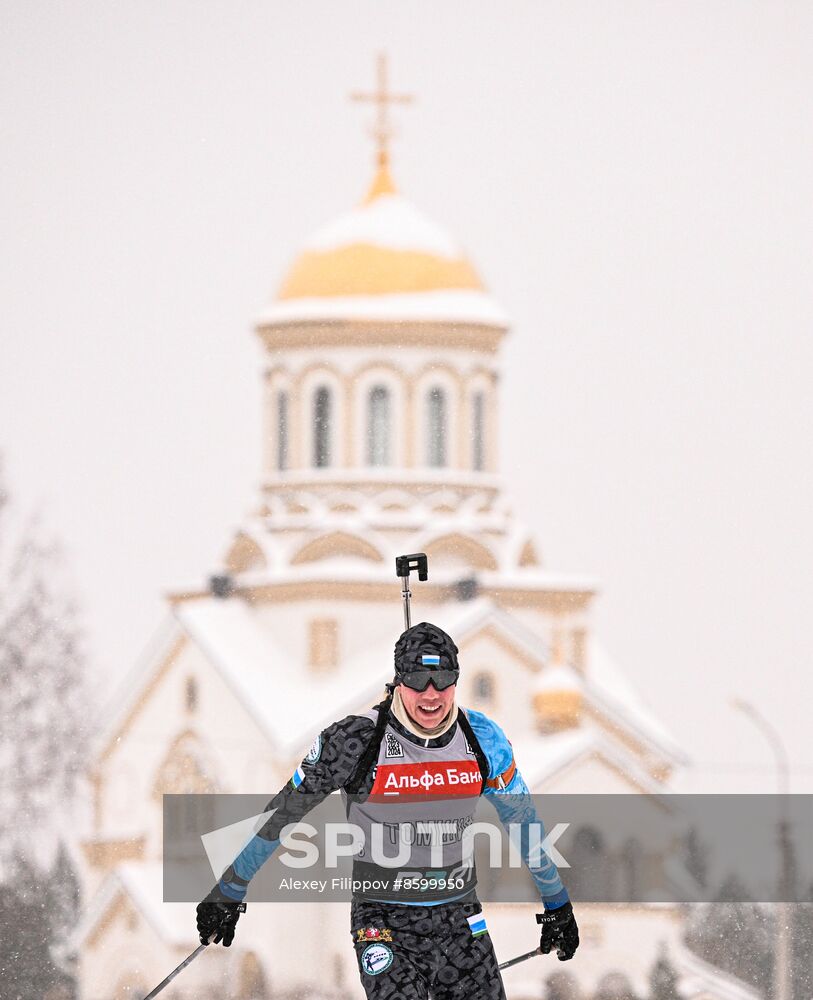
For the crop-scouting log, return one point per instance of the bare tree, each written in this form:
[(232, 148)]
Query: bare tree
[(43, 741), (802, 974), (663, 979), (735, 934), (44, 706)]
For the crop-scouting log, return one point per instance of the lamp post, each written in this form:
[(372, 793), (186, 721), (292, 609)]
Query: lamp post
[(783, 930)]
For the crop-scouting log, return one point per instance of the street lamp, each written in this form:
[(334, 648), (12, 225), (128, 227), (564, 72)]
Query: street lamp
[(783, 930)]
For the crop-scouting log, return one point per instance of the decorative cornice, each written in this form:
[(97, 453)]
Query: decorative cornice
[(344, 333), (556, 601), (295, 481)]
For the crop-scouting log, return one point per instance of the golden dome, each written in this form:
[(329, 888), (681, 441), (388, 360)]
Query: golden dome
[(558, 698), (385, 246)]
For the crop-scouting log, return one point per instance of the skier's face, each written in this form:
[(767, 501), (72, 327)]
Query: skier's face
[(430, 707)]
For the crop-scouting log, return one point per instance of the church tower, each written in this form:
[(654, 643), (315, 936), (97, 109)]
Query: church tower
[(381, 381), (381, 402)]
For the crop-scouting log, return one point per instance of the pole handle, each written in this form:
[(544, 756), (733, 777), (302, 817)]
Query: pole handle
[(417, 560)]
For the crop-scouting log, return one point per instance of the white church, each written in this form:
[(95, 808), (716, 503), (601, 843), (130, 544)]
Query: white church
[(381, 403)]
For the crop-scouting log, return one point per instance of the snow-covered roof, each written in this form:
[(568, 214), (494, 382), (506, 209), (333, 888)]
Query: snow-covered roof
[(390, 221), (143, 885), (469, 617), (602, 682), (607, 688), (542, 757), (539, 758), (559, 677), (239, 641), (126, 695), (443, 306), (697, 978)]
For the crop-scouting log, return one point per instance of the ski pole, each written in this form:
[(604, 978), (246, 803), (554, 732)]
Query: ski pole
[(403, 566), (514, 961), (174, 973), (181, 967)]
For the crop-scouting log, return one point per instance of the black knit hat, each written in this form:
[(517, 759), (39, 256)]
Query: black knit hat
[(425, 646)]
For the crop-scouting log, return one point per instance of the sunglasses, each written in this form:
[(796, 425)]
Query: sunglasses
[(419, 680)]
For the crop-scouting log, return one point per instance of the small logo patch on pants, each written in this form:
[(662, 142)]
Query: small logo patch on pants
[(477, 923), (374, 934), (375, 959)]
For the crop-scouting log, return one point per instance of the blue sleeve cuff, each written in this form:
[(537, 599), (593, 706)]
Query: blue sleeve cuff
[(253, 856), (557, 901), (232, 891)]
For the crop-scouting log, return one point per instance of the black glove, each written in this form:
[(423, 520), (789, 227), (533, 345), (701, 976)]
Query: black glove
[(559, 931), (218, 915)]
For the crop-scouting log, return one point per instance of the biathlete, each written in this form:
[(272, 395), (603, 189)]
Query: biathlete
[(418, 758)]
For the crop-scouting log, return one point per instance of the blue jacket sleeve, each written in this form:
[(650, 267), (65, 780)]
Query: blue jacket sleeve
[(514, 805), (328, 765)]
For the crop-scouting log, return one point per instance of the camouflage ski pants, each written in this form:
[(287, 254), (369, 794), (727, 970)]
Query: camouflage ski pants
[(415, 952)]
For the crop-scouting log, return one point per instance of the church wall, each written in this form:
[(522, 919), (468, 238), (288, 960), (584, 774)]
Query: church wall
[(360, 624), (228, 749), (510, 705), (236, 748)]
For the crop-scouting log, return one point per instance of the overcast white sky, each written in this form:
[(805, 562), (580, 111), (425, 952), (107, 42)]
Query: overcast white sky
[(633, 181)]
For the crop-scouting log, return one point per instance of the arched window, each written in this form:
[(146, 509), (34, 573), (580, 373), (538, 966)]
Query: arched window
[(186, 778), (436, 427), (191, 694), (321, 427), (588, 876), (324, 643), (282, 430), (378, 426), (478, 431), (483, 687)]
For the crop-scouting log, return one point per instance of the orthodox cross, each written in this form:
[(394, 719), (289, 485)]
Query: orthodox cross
[(382, 130)]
